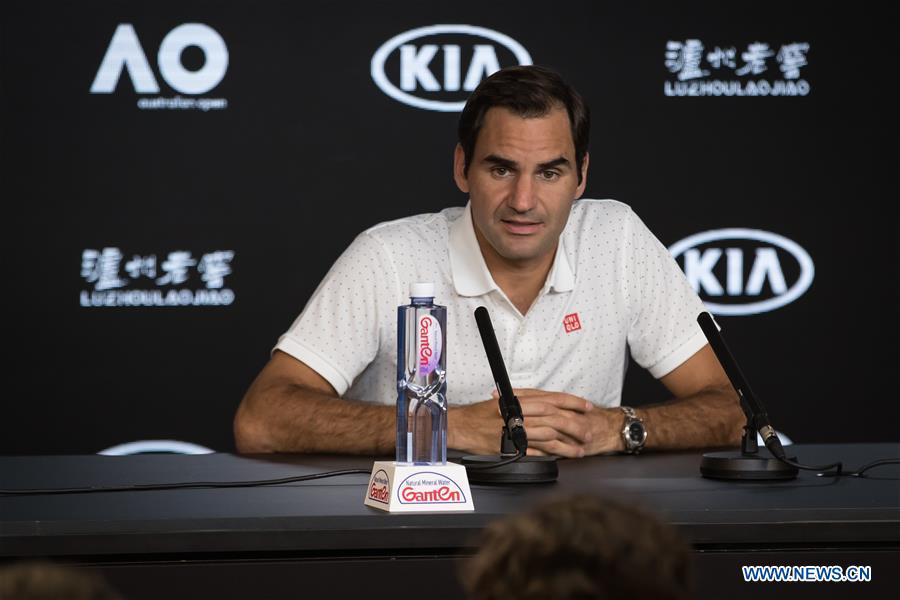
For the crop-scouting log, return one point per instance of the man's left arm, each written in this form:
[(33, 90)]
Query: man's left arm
[(704, 412)]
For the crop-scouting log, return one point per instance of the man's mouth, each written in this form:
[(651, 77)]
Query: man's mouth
[(521, 227)]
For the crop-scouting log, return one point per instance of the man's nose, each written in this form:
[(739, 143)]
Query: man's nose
[(522, 199)]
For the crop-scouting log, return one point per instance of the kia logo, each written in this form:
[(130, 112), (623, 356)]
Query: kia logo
[(457, 77), (738, 265)]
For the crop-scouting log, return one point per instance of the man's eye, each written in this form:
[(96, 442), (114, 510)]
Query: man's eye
[(549, 175), (500, 171)]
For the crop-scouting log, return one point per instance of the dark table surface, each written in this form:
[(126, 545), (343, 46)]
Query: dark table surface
[(328, 515)]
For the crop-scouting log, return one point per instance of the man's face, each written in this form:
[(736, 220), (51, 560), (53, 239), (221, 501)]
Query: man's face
[(522, 181)]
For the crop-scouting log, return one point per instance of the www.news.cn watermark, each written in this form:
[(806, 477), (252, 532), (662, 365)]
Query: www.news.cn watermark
[(806, 573)]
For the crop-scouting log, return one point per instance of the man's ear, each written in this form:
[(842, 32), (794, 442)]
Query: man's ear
[(459, 169), (584, 171)]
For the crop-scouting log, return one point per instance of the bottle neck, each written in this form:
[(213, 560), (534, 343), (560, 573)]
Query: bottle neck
[(422, 301)]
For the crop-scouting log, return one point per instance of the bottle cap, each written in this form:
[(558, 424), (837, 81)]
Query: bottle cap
[(421, 290)]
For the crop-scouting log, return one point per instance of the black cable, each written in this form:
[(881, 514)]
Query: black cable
[(885, 461), (860, 471), (139, 487), (496, 464), (774, 446), (838, 467)]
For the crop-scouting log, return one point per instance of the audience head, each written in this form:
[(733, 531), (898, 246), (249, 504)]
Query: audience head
[(580, 548)]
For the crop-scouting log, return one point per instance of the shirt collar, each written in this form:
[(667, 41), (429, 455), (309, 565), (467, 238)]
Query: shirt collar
[(471, 276)]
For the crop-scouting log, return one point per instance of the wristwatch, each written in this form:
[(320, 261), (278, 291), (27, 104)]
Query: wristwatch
[(633, 433)]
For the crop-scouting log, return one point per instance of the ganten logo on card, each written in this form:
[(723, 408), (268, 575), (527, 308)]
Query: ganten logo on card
[(428, 487), (379, 491)]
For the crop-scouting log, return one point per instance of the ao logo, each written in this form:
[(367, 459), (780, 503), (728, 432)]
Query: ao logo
[(415, 59), (125, 51), (703, 251)]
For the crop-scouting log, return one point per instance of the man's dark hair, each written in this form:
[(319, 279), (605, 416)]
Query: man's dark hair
[(580, 548), (528, 91)]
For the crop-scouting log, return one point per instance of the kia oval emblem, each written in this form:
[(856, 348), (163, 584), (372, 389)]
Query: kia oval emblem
[(414, 64), (765, 268)]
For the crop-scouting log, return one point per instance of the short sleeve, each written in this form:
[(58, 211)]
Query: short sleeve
[(663, 330), (341, 327)]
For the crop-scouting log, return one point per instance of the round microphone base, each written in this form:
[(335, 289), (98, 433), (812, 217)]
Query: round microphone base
[(528, 469), (737, 466)]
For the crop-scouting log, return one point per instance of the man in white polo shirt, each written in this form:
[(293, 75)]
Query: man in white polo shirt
[(572, 286)]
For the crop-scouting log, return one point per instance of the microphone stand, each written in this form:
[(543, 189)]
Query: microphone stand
[(748, 463), (511, 465)]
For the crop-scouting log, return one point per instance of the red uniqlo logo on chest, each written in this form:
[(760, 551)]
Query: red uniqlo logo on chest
[(571, 323)]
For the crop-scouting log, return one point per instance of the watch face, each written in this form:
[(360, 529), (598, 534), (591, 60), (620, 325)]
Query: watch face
[(636, 432)]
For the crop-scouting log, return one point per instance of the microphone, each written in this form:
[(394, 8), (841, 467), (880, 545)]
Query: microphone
[(752, 407), (746, 464), (511, 465), (510, 409)]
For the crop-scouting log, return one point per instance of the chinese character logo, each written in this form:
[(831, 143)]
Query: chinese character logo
[(726, 71), (145, 281)]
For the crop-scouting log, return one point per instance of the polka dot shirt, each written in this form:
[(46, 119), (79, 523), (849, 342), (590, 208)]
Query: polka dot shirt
[(613, 289)]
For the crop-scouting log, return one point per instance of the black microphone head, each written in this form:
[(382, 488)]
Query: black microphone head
[(509, 404)]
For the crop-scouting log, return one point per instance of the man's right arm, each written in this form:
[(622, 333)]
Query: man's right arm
[(291, 408)]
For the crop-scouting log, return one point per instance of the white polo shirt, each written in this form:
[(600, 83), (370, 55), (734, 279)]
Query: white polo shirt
[(613, 288)]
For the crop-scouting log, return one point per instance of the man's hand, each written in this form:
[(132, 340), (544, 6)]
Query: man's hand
[(566, 425), (557, 424)]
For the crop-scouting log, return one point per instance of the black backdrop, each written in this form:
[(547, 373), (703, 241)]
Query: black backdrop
[(308, 151)]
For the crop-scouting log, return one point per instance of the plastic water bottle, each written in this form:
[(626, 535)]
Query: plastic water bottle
[(422, 379)]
